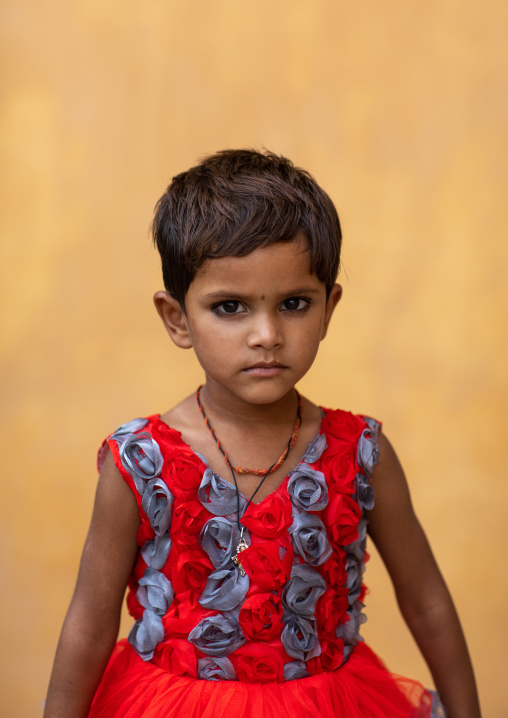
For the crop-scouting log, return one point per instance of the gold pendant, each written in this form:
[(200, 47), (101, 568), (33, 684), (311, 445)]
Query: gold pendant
[(242, 545)]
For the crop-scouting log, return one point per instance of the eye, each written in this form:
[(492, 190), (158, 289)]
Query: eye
[(295, 304), (232, 306)]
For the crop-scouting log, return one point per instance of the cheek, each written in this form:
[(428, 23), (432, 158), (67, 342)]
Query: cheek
[(310, 337), (211, 350), (304, 350), (311, 350)]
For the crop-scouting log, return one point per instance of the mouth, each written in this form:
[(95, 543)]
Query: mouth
[(267, 365), (262, 368)]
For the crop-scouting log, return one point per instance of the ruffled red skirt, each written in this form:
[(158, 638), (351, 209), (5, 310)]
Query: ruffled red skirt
[(361, 688)]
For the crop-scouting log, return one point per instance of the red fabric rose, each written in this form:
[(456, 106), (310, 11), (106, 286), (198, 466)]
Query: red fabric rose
[(176, 656), (343, 425), (339, 465), (261, 617), (258, 663), (184, 614), (270, 518), (268, 564), (334, 570), (190, 571), (332, 653), (342, 517), (182, 469), (330, 608), (166, 437), (182, 475), (189, 518)]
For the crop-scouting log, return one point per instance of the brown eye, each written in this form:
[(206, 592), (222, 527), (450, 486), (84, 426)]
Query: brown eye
[(295, 304), (232, 306)]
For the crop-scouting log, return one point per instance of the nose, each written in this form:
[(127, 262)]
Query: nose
[(265, 332)]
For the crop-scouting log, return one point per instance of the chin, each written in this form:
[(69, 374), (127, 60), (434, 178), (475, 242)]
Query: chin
[(266, 393)]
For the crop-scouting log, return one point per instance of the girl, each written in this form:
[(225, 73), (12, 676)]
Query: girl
[(238, 519)]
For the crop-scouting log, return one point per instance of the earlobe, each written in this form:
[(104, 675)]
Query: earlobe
[(333, 300), (174, 319)]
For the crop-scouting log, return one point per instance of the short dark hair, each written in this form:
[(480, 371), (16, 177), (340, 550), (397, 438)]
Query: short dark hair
[(235, 201)]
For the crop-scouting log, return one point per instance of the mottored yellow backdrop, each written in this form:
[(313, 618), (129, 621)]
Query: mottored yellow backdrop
[(400, 111)]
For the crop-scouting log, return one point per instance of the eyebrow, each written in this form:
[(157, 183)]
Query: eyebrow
[(220, 294)]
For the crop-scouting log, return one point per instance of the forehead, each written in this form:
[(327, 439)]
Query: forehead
[(280, 268)]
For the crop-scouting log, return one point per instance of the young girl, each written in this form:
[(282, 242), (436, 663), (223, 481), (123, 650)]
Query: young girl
[(238, 519)]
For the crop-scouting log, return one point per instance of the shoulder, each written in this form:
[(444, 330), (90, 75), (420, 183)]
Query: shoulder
[(388, 471), (393, 505), (153, 459), (139, 449), (162, 425), (182, 416), (123, 434)]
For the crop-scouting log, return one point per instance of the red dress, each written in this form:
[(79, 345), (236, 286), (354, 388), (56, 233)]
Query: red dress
[(276, 634)]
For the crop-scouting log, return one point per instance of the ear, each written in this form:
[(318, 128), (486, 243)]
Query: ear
[(174, 319), (332, 302)]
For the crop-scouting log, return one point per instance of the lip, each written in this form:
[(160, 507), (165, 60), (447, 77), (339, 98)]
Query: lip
[(272, 368)]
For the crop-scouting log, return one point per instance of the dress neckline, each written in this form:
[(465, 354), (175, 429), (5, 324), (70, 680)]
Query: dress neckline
[(202, 458)]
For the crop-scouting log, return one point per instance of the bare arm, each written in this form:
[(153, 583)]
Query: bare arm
[(91, 625), (422, 595)]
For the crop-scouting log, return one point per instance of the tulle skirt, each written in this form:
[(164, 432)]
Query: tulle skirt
[(361, 688)]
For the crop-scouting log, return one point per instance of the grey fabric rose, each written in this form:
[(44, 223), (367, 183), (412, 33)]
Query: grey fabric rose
[(218, 496), (368, 451), (355, 570), (299, 638), (142, 458), (146, 634), (217, 636), (315, 450), (216, 669), (307, 489), (157, 503), (309, 537), (224, 589), (302, 591), (357, 548), (155, 591), (129, 427), (364, 493), (349, 631), (155, 553), (219, 538), (295, 669)]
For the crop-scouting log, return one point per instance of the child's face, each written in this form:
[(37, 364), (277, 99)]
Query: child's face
[(255, 322)]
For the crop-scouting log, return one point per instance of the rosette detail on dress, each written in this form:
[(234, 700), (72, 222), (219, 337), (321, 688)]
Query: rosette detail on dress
[(290, 606), (141, 459)]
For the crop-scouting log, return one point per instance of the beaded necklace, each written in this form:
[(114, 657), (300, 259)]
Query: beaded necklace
[(242, 544), (255, 472)]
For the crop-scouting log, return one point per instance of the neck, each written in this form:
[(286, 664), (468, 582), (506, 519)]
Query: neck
[(230, 409)]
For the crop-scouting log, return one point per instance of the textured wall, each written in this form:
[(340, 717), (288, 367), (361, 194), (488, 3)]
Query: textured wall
[(400, 110)]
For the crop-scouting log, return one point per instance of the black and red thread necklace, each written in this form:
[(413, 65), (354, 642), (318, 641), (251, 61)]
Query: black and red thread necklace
[(242, 544)]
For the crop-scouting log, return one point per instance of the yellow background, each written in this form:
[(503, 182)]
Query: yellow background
[(400, 111)]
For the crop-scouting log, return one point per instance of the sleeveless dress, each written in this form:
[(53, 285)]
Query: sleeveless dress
[(275, 634)]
